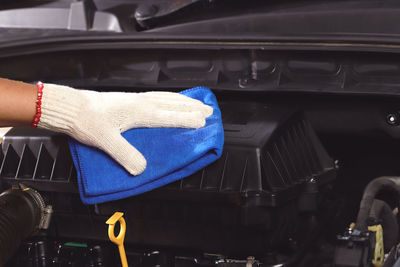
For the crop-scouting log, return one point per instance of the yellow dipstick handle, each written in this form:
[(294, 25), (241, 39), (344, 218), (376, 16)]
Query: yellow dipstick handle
[(119, 240)]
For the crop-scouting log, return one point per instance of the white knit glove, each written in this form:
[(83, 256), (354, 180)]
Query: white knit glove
[(98, 119)]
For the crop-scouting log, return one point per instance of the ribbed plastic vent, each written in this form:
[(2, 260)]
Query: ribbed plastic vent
[(42, 162), (270, 151), (291, 159), (287, 160)]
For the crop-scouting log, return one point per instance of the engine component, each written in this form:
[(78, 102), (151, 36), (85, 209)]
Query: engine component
[(390, 184), (44, 253), (56, 253), (376, 229), (22, 212), (118, 240), (273, 170), (382, 213), (363, 248), (354, 249)]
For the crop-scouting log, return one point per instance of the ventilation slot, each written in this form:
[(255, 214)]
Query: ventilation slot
[(63, 165), (27, 164), (44, 165), (10, 163)]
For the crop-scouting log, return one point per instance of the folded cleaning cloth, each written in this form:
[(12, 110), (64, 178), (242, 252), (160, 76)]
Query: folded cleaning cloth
[(171, 154)]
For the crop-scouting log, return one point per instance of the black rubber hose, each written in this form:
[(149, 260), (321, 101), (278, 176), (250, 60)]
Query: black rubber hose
[(381, 211), (391, 184), (21, 212)]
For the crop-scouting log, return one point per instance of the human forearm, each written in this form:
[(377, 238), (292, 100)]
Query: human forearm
[(17, 103)]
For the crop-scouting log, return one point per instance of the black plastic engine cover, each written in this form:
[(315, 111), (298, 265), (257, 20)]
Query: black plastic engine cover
[(272, 166)]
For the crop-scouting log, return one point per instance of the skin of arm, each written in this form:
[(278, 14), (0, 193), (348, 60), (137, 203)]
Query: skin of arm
[(18, 104)]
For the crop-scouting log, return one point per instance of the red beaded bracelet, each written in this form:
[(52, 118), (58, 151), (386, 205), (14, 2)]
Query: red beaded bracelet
[(36, 118)]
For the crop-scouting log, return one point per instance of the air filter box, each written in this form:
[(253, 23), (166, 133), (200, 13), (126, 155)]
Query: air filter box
[(271, 171)]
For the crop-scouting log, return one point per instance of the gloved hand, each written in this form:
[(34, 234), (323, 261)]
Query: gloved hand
[(98, 119)]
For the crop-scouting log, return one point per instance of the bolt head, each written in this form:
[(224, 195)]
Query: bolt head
[(392, 119)]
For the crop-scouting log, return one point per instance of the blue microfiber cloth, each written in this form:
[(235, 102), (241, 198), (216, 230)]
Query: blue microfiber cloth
[(171, 154)]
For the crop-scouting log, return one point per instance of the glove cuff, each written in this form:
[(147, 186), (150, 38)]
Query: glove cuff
[(60, 107)]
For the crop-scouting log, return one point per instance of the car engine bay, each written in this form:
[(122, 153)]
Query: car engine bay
[(309, 175)]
